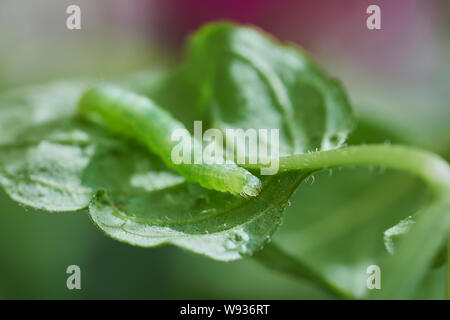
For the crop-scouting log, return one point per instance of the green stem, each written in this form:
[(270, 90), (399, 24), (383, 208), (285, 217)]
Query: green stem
[(274, 258), (428, 166), (434, 170)]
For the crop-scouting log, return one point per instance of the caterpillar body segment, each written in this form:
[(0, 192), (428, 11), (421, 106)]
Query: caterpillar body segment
[(133, 116)]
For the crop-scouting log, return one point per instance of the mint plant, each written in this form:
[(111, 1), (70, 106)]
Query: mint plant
[(53, 159)]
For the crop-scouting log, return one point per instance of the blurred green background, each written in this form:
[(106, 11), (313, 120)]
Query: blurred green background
[(398, 79)]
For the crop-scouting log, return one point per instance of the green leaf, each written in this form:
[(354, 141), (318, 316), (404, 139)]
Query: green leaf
[(415, 251), (275, 258), (245, 79), (233, 77), (394, 233), (207, 222), (46, 175), (398, 231), (24, 108)]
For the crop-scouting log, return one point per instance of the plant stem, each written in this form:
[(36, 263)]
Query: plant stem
[(434, 170), (428, 166), (273, 257)]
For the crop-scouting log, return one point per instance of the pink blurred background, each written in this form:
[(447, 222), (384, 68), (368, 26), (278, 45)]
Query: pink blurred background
[(399, 75)]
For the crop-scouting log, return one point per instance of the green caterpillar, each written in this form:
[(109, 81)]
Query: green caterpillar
[(130, 115)]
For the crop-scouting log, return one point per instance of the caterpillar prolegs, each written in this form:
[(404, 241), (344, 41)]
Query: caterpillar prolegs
[(133, 116)]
